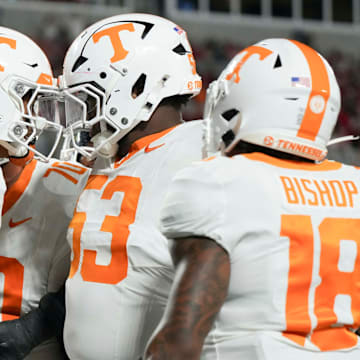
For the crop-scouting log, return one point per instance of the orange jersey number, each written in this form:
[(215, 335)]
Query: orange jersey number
[(13, 284), (118, 226), (337, 259)]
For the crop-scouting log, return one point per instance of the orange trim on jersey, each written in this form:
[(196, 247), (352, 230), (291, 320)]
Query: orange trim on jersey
[(209, 158), (142, 143), (326, 165), (18, 188), (320, 86), (22, 161)]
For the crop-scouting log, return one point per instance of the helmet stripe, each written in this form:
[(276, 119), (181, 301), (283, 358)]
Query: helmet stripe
[(320, 92)]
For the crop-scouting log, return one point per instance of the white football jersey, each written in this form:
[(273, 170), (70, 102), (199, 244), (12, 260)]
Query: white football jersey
[(121, 269), (34, 253), (291, 230)]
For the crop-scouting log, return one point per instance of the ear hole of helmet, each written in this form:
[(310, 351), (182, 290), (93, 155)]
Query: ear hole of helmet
[(138, 87), (229, 114)]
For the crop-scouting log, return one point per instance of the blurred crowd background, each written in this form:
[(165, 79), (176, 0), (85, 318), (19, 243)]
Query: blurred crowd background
[(218, 29)]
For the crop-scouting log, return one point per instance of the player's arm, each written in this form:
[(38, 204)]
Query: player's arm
[(18, 337), (199, 290)]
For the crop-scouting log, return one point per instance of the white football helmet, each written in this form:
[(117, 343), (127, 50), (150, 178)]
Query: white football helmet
[(117, 72), (27, 91), (279, 94)]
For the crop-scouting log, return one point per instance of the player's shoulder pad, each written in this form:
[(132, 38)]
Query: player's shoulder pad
[(64, 177), (192, 203), (188, 136)]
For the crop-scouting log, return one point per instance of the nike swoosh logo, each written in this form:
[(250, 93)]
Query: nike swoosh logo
[(17, 223), (149, 149)]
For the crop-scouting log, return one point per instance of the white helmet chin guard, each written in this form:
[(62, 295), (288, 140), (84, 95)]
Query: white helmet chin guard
[(27, 96), (279, 94), (117, 72)]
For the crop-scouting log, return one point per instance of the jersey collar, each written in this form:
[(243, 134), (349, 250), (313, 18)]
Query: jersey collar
[(325, 165), (142, 143)]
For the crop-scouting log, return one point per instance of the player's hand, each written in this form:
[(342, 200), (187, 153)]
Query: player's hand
[(14, 341)]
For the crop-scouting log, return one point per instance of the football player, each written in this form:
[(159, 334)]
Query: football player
[(126, 79), (38, 204), (266, 238)]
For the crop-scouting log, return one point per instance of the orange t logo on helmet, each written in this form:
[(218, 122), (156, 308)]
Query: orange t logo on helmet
[(263, 52), (10, 42), (113, 33)]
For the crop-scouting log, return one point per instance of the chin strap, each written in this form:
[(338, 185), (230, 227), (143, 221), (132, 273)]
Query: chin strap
[(343, 139)]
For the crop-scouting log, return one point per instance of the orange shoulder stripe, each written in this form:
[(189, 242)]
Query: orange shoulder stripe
[(17, 189), (141, 143)]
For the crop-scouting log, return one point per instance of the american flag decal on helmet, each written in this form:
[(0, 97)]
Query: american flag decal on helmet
[(178, 30), (300, 81)]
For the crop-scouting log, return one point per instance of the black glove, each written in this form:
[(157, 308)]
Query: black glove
[(15, 339), (18, 337)]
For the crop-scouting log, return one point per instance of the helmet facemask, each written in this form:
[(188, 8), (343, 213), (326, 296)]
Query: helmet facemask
[(86, 123), (34, 105), (28, 97)]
